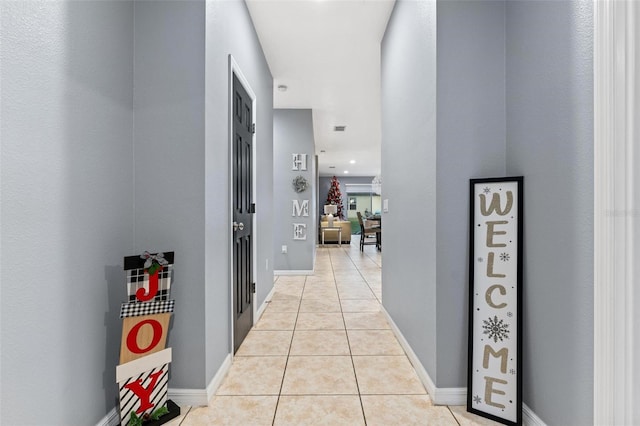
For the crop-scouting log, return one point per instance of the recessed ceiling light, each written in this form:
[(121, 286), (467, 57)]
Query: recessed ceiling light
[(352, 161), (283, 87), (346, 172)]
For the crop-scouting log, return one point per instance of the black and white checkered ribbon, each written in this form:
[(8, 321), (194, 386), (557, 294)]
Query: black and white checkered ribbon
[(147, 308)]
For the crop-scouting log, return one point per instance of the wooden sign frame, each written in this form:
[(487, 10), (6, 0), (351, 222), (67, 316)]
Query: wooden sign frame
[(495, 299)]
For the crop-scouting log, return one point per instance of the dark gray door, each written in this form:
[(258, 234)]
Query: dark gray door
[(242, 213)]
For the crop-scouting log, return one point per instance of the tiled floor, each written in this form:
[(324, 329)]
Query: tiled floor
[(323, 354)]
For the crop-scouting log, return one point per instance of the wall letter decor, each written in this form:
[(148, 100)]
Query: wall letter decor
[(299, 231), (300, 209), (299, 162)]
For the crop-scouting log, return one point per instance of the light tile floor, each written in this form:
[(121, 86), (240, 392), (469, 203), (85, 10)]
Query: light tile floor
[(324, 354)]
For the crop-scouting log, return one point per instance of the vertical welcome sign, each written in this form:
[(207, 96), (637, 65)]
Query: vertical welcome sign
[(495, 296)]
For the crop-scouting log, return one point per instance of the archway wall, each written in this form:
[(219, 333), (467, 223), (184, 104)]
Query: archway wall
[(480, 89)]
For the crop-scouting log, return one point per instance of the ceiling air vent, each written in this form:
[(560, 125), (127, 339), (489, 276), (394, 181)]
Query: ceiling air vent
[(339, 128)]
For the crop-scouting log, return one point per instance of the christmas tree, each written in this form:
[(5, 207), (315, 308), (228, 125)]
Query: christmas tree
[(335, 196)]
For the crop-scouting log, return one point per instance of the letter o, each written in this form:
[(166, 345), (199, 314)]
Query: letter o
[(132, 337)]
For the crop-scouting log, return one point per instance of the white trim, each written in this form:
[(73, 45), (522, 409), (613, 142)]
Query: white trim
[(615, 107), (529, 418), (446, 396), (111, 419), (264, 306), (294, 272), (234, 69), (216, 381), (439, 396), (201, 397), (192, 397), (450, 396)]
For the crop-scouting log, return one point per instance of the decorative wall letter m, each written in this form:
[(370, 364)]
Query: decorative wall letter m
[(300, 209)]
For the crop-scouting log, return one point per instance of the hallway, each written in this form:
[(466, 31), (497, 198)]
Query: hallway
[(323, 353)]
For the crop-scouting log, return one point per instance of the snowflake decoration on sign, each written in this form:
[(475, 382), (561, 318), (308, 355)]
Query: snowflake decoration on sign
[(477, 399), (504, 257), (512, 371), (486, 190), (509, 314), (496, 329)]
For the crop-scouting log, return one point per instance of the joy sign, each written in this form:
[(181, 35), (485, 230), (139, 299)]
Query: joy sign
[(143, 373), (495, 294)]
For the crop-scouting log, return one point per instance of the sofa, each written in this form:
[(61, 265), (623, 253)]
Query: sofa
[(331, 236)]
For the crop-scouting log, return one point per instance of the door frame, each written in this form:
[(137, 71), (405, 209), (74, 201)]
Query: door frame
[(234, 69), (616, 209)]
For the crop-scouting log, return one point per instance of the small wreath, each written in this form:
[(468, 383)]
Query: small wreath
[(300, 184)]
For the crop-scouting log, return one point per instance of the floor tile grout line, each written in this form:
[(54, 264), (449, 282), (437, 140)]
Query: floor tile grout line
[(453, 415), (363, 277), (286, 363), (186, 414), (353, 365)]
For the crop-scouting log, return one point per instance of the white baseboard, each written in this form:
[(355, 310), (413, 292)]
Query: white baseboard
[(201, 397), (447, 396), (193, 397), (111, 419), (215, 383), (294, 272), (450, 396), (264, 305), (529, 418)]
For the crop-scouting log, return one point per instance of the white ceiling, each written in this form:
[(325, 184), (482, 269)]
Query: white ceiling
[(327, 52)]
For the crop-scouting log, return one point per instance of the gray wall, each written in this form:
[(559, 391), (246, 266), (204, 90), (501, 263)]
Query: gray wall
[(471, 144), (293, 133), (409, 161), (183, 168), (169, 165), (82, 187), (514, 97), (229, 30), (550, 142), (67, 206)]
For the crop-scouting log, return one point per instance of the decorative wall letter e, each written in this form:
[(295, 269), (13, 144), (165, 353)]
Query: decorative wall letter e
[(299, 231)]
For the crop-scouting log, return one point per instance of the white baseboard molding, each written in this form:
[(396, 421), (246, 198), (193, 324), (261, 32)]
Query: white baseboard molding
[(413, 358), (294, 272), (111, 419), (264, 306), (201, 397), (450, 396), (529, 418), (215, 383), (191, 397), (447, 396)]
